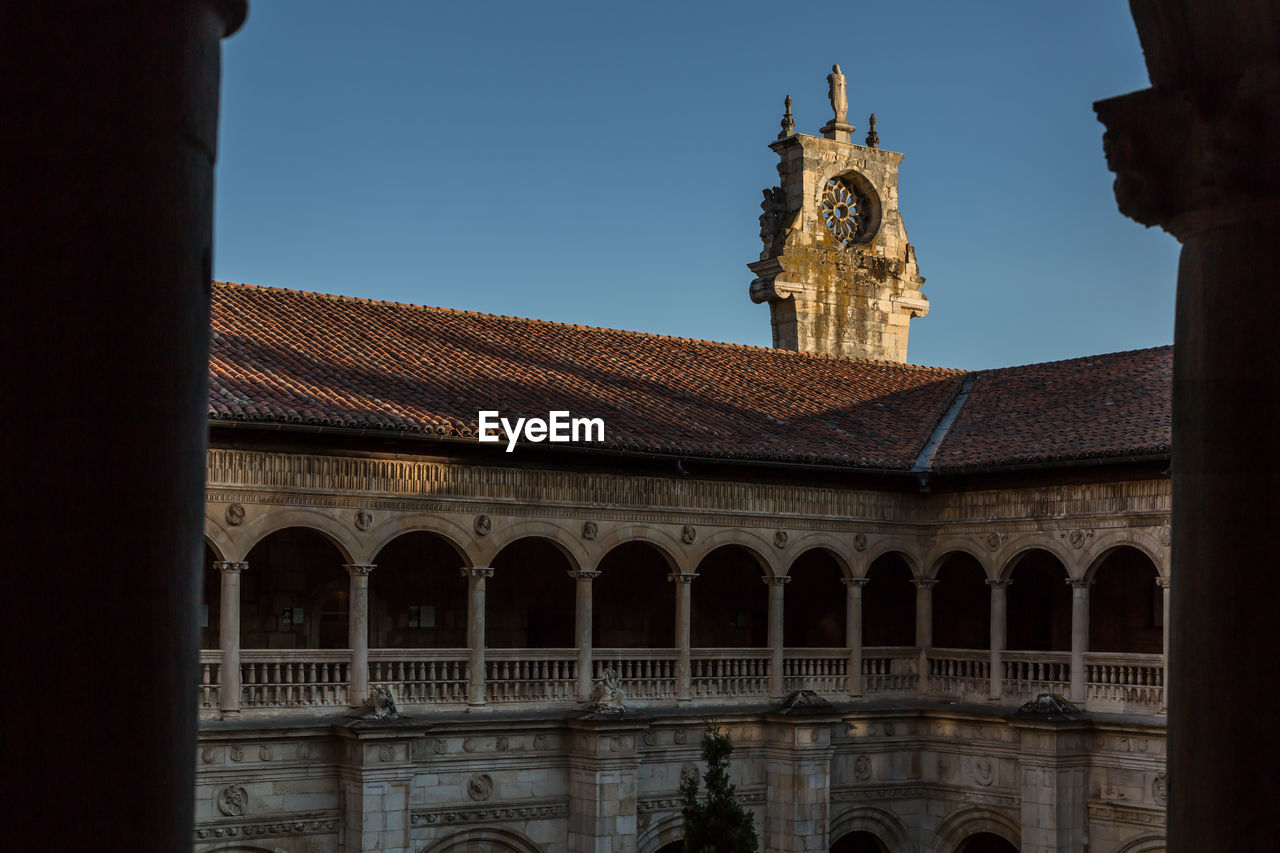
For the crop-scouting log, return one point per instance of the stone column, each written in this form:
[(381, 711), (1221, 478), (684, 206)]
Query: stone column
[(358, 632), (797, 764), (604, 763), (1079, 635), (998, 636), (684, 681), (924, 628), (476, 576), (582, 629), (1195, 154), (1053, 769), (853, 633), (777, 653), (229, 637)]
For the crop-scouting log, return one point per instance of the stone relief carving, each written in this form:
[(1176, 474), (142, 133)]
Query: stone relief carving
[(380, 705), (983, 771), (1076, 537), (303, 751), (680, 736), (860, 541), (364, 519), (606, 695), (480, 786), (236, 753), (528, 811), (469, 744), (649, 738), (590, 530), (862, 768), (993, 541), (207, 755), (386, 752), (233, 800), (780, 538), (264, 752), (439, 746), (688, 534), (541, 742), (235, 514), (502, 743), (1165, 535), (483, 525), (1160, 788)]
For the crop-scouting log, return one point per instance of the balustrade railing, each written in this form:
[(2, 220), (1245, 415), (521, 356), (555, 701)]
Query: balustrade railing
[(729, 673), (294, 678), (960, 673), (1028, 674), (645, 674), (824, 671), (530, 675), (210, 678), (890, 670), (1123, 682), (421, 676)]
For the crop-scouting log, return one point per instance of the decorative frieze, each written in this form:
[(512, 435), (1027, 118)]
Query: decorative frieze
[(512, 812), (309, 823)]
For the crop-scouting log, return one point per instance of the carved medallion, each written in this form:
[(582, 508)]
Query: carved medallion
[(649, 738), (590, 530), (237, 754), (303, 751), (1160, 788), (364, 519), (233, 800), (680, 736), (438, 746), (993, 541), (207, 755), (235, 514), (468, 745), (502, 744), (480, 786), (860, 541), (541, 742), (780, 538), (1165, 535), (386, 752), (862, 768), (264, 752), (983, 771), (1077, 537), (483, 525), (688, 533)]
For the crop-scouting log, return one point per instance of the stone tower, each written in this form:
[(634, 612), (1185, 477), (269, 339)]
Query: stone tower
[(836, 269)]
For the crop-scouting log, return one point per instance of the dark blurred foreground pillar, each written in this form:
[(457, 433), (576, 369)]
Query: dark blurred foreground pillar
[(1197, 155), (108, 127)]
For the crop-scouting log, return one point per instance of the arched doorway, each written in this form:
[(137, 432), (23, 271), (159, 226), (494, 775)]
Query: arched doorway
[(985, 842), (1039, 604), (1126, 608), (530, 598), (633, 603), (729, 601), (416, 598), (294, 595), (814, 602), (961, 604), (889, 603), (859, 842)]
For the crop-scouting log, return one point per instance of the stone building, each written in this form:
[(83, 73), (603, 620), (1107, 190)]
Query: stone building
[(866, 572)]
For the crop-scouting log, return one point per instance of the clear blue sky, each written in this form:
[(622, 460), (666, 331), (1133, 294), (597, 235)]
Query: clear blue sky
[(602, 163)]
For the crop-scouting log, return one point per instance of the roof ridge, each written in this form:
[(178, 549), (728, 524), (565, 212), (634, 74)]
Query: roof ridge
[(1076, 358), (335, 297)]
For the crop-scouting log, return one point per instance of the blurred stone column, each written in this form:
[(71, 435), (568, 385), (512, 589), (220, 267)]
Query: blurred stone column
[(1196, 155), (109, 114), (476, 576), (1079, 636), (582, 628), (358, 632), (777, 651), (684, 681), (853, 633), (999, 631), (924, 629), (229, 636)]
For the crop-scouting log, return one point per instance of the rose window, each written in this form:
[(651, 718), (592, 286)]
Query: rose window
[(842, 211)]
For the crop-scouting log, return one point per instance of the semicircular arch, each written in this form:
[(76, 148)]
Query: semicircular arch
[(483, 838), (968, 822), (663, 542), (944, 548), (321, 522), (558, 534), (750, 541), (1111, 541), (821, 541), (884, 825), (1012, 552), (458, 537), (660, 833), (1145, 843), (905, 549)]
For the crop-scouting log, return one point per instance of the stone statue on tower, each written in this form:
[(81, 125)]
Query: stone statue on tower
[(836, 92)]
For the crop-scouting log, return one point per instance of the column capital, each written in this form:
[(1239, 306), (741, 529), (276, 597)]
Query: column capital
[(476, 572), (999, 583), (925, 583), (1163, 583), (682, 577), (581, 576), (230, 567), (854, 583), (1080, 583), (775, 580), (359, 569)]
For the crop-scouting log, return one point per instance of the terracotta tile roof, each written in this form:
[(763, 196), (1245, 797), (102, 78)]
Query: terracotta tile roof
[(1103, 406), (306, 358), (286, 356)]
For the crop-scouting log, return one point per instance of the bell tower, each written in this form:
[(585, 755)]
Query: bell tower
[(836, 269)]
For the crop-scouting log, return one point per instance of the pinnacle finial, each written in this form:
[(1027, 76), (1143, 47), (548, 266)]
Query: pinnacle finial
[(788, 123), (873, 138)]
